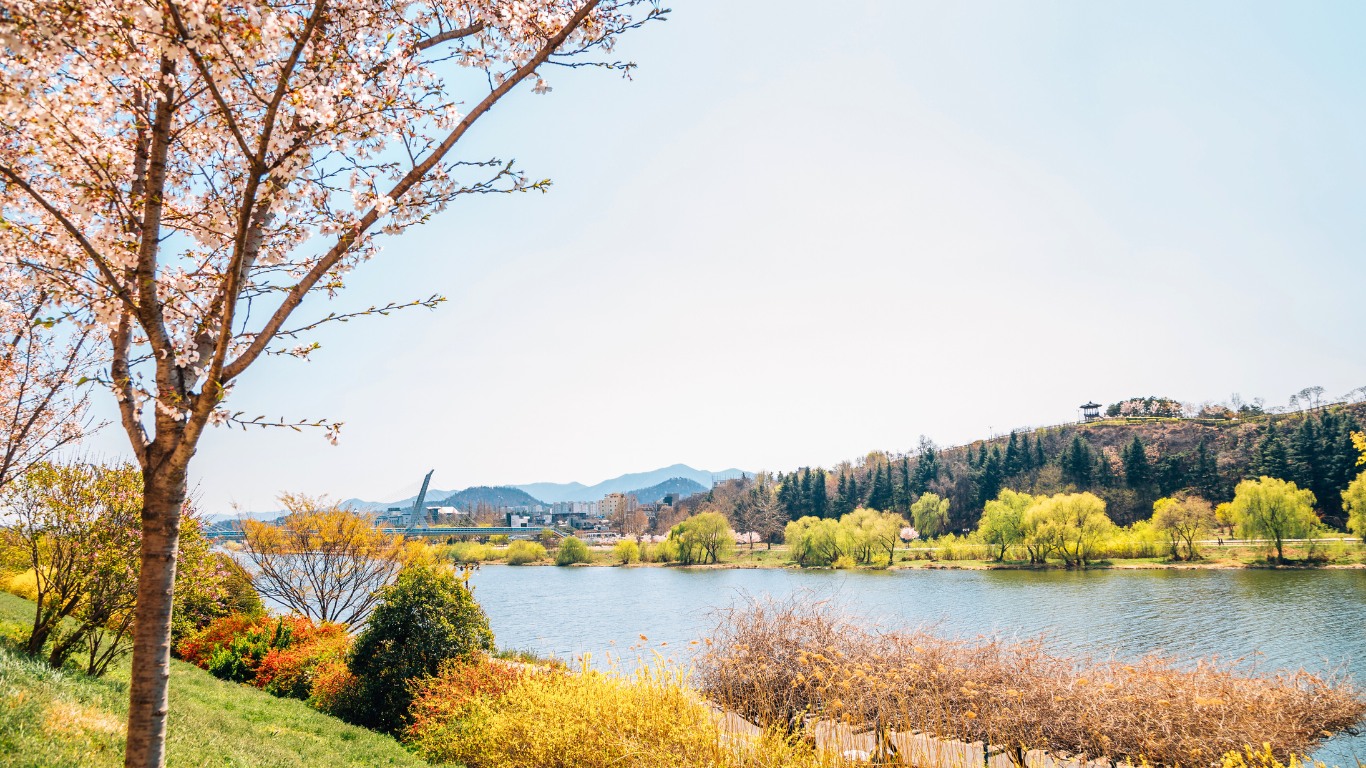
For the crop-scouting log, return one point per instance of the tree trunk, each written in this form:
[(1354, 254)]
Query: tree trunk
[(163, 496)]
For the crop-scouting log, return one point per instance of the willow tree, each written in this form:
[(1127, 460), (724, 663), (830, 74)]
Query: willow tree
[(182, 175)]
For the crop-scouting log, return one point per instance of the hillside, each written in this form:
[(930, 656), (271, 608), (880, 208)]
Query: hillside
[(66, 720), (1130, 462), (680, 487), (483, 495)]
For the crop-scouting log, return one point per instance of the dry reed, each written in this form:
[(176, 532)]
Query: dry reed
[(778, 663)]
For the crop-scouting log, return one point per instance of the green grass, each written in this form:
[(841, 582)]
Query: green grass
[(52, 719)]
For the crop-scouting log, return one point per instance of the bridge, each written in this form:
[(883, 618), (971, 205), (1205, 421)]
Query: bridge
[(418, 526), (434, 532)]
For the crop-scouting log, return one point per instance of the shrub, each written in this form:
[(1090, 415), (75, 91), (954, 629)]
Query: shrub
[(586, 720), (843, 562), (24, 585), (626, 552), (573, 550), (439, 700), (198, 647), (469, 552), (773, 662), (289, 656), (523, 552), (425, 619)]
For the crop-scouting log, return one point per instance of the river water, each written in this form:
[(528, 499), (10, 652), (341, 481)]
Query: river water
[(1275, 619)]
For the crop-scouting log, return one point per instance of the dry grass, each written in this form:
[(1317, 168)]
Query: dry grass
[(777, 663)]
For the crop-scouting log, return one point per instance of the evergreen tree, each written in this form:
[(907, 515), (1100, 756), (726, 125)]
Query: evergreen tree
[(1205, 476), (1078, 463), (820, 502), (1013, 463), (841, 505), (1302, 458), (993, 474), (901, 493), (1026, 453), (880, 489), (1172, 474), (1039, 458), (926, 471), (1272, 459), (804, 493), (1138, 472), (855, 495)]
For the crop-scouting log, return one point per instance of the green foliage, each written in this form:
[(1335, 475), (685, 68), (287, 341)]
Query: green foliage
[(1072, 526), (1354, 501), (1002, 523), (864, 536), (930, 515), (1273, 509), (572, 550), (626, 552), (428, 617), (702, 539), (524, 552)]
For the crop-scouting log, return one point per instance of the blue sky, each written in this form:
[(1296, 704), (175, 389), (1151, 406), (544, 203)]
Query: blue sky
[(806, 231)]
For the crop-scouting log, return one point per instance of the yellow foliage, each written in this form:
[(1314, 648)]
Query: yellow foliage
[(24, 585), (1359, 440), (588, 719)]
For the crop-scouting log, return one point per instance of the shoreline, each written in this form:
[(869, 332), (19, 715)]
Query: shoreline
[(966, 565)]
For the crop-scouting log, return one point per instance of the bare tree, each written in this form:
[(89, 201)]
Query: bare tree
[(323, 561)]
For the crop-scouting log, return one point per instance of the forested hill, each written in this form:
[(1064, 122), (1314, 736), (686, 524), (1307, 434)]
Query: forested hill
[(679, 487), (1130, 462), (496, 496)]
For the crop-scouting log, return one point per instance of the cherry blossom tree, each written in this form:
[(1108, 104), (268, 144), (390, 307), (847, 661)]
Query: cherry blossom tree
[(183, 177), (41, 407)]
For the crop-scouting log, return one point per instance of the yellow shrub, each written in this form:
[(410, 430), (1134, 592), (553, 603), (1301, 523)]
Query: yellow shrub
[(590, 719), (24, 585)]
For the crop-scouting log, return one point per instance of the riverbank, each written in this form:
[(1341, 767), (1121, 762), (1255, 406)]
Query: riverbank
[(1353, 557)]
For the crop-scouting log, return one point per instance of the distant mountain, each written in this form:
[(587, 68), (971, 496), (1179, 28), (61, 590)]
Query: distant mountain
[(680, 487), (361, 505), (553, 492), (499, 496)]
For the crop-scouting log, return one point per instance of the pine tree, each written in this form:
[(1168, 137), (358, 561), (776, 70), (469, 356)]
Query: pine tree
[(1205, 478), (1039, 458), (926, 471), (855, 496), (819, 503), (880, 488), (1078, 463), (993, 474), (1026, 453), (841, 505), (1302, 456), (1138, 472), (1013, 464), (804, 493), (901, 493), (1272, 459)]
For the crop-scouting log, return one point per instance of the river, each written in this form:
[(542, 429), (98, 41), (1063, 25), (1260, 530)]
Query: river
[(1275, 619)]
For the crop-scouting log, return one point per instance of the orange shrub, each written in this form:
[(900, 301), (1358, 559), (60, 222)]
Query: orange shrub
[(199, 646), (439, 700), (287, 656), (291, 669)]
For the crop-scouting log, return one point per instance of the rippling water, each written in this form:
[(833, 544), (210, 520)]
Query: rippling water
[(1277, 619)]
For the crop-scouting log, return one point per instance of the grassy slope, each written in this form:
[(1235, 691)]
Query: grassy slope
[(51, 719)]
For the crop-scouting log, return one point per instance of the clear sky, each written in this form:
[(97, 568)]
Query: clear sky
[(806, 230)]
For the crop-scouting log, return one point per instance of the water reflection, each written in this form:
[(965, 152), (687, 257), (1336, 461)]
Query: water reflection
[(1279, 620)]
